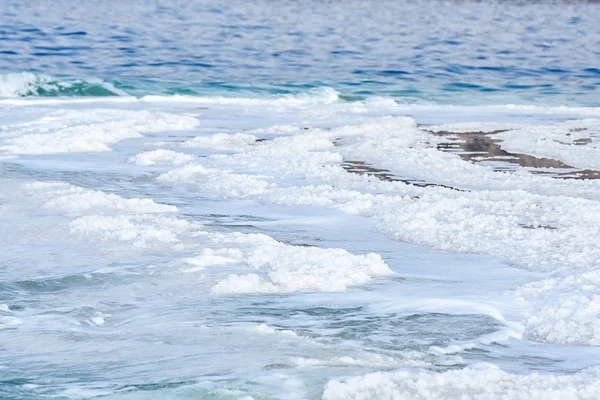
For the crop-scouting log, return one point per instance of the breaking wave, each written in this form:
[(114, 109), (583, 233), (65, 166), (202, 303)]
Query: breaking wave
[(26, 84)]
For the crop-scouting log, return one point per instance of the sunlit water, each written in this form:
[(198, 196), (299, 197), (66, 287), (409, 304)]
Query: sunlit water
[(288, 120)]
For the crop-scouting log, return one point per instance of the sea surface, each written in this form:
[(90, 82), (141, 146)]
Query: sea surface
[(299, 199)]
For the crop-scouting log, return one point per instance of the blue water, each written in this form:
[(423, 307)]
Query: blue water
[(414, 51)]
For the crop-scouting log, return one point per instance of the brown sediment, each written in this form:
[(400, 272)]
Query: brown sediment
[(547, 227), (577, 130), (364, 168), (582, 141), (481, 146)]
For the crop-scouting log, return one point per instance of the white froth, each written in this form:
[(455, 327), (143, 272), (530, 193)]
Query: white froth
[(217, 182), (141, 231), (222, 141), (97, 320), (77, 200), (161, 157), (533, 221), (9, 321), (532, 226), (107, 216), (324, 95), (366, 360), (265, 329), (282, 268), (465, 384), (208, 258), (277, 130), (87, 131), (24, 83), (18, 84), (510, 331), (564, 310)]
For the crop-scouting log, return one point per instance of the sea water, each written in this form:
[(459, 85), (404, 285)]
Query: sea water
[(299, 200)]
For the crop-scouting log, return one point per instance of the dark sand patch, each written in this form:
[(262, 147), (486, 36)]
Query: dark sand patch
[(364, 168), (482, 147), (547, 227)]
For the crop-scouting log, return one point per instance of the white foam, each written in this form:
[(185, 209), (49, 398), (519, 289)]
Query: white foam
[(265, 329), (97, 320), (77, 200), (564, 310), (25, 83), (282, 268), (161, 157), (324, 95), (365, 360), (9, 322), (532, 220), (87, 131), (208, 258), (140, 231), (482, 383), (107, 216), (18, 84), (220, 183), (510, 331), (222, 141), (277, 130)]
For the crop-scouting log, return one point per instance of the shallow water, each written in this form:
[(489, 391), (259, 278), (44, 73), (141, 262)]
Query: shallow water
[(298, 200)]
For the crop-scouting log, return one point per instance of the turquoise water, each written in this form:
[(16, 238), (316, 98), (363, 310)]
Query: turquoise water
[(414, 51)]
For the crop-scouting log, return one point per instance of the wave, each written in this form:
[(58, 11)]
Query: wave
[(25, 87), (26, 84)]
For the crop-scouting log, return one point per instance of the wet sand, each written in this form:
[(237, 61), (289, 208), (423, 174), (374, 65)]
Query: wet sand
[(483, 147)]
